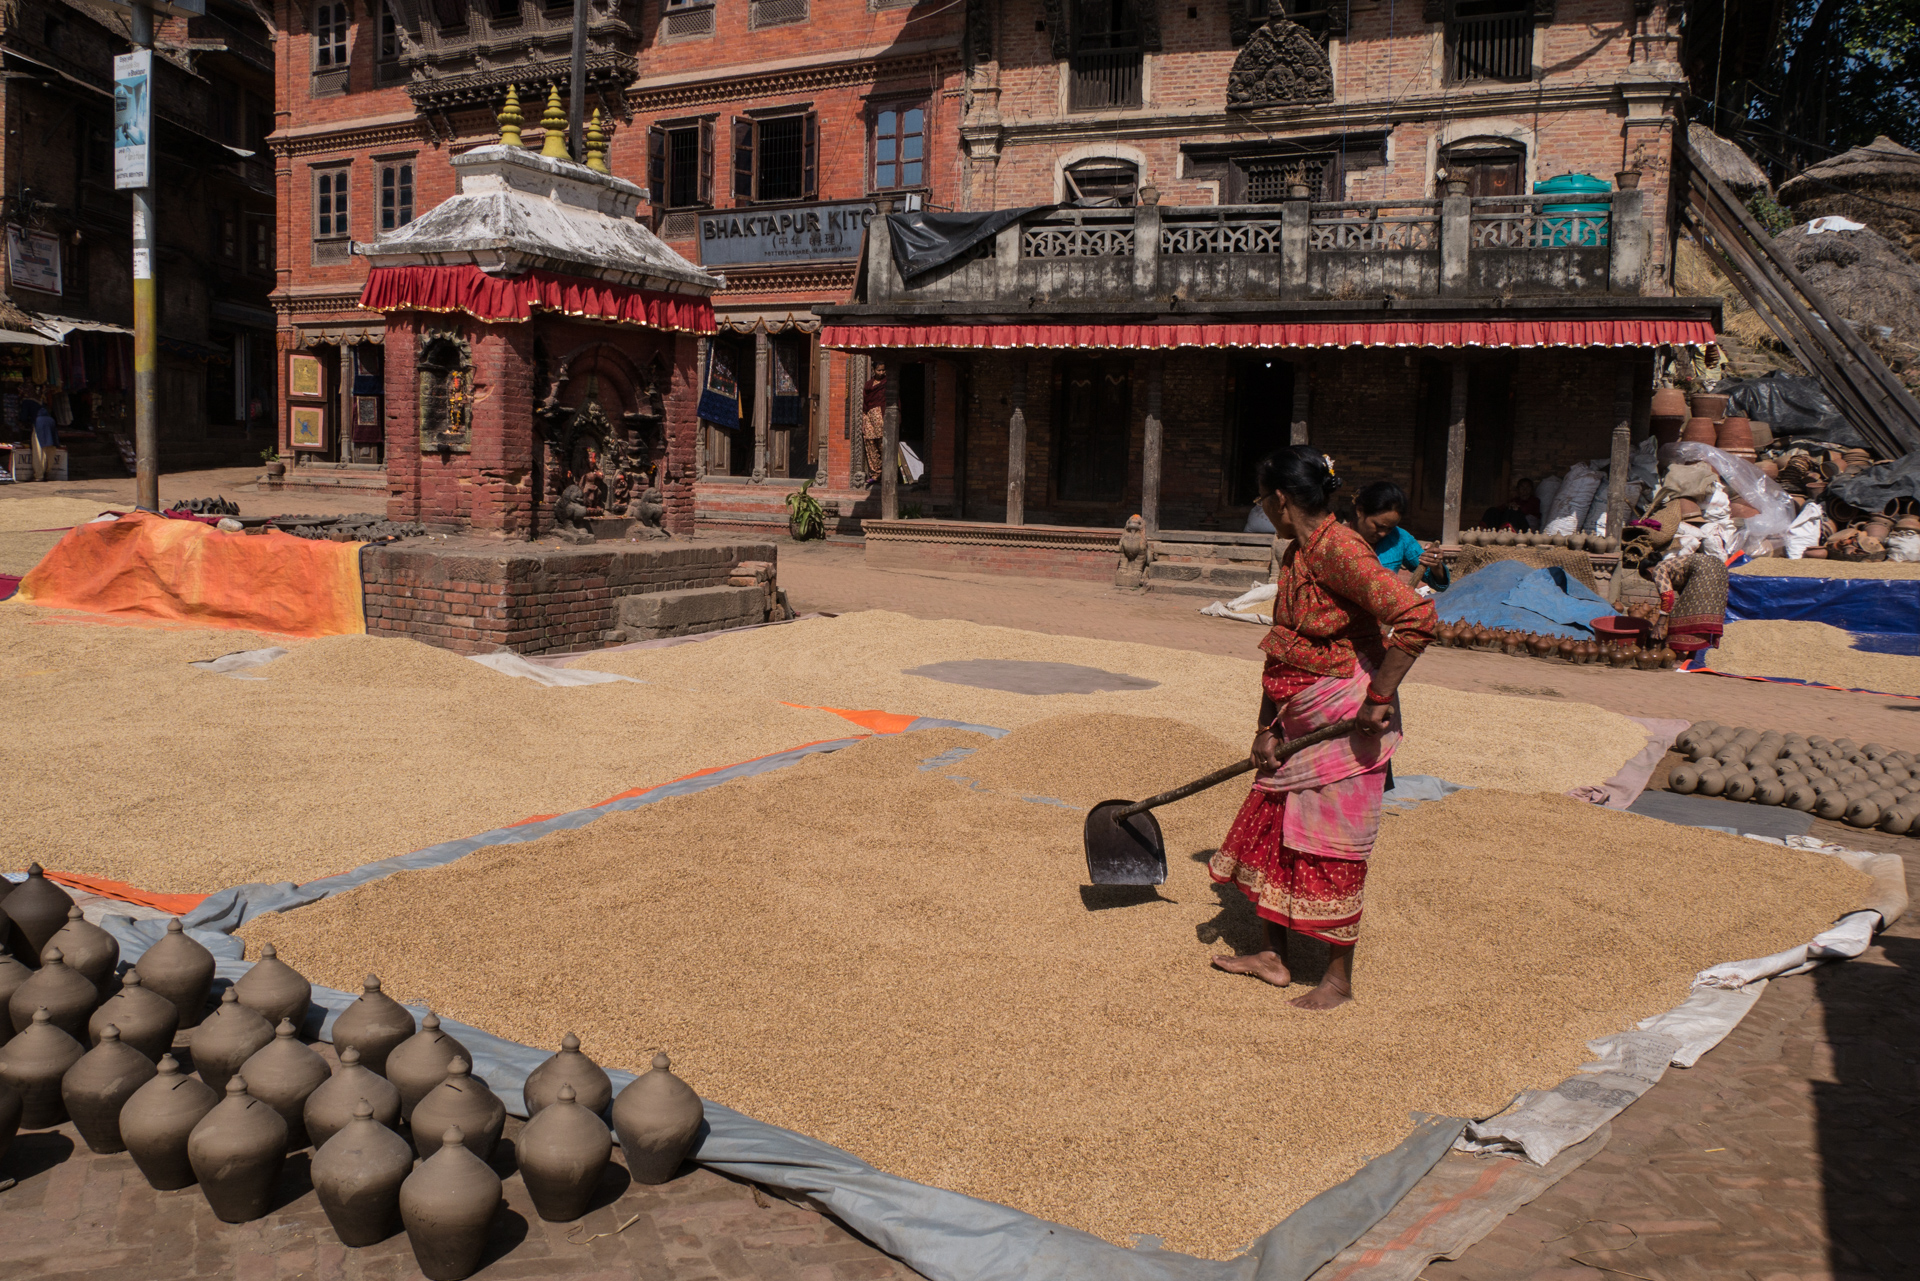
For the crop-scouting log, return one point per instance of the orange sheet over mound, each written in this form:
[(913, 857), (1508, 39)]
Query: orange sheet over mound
[(145, 566)]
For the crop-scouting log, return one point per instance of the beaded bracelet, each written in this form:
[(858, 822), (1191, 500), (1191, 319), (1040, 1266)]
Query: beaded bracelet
[(1378, 699)]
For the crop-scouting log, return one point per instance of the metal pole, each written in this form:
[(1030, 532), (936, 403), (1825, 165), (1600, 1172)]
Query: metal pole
[(577, 110), (146, 441)]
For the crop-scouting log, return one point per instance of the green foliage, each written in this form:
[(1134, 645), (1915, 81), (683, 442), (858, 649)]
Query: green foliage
[(1841, 73), (270, 455), (912, 511), (806, 518), (1768, 213)]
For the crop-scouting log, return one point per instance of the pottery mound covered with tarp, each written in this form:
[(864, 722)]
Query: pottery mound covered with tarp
[(1512, 596)]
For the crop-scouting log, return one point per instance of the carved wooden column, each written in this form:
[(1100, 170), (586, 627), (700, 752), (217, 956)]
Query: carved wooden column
[(1456, 456), (822, 406), (890, 447), (1150, 450), (762, 400), (1017, 444), (700, 427)]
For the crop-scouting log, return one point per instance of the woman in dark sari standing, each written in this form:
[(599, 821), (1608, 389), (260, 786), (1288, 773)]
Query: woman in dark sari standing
[(1345, 633)]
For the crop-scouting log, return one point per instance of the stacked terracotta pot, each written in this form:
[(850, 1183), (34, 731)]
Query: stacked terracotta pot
[(1670, 414), (1871, 786), (1565, 649)]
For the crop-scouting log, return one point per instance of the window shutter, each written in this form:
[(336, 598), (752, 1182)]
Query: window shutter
[(810, 157), (742, 158), (657, 165), (706, 162)]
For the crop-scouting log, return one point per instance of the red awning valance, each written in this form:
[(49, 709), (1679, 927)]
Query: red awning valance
[(512, 298), (1399, 333)]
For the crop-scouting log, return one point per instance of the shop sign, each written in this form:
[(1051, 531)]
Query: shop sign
[(132, 119), (812, 233), (33, 260)]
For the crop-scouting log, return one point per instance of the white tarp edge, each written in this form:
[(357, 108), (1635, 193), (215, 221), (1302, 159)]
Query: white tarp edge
[(1243, 607)]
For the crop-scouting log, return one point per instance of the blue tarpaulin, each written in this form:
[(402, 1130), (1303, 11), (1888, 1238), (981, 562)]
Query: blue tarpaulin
[(1857, 604), (1518, 597)]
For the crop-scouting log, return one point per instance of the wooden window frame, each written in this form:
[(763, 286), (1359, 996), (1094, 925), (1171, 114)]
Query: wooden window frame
[(323, 45), (660, 163), (400, 169), (338, 180), (746, 137), (900, 109)]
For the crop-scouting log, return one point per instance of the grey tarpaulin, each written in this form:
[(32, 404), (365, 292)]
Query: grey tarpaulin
[(923, 241), (1872, 489)]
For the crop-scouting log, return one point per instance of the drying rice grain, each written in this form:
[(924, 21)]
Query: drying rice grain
[(1813, 652), (1776, 567), (21, 513), (1519, 744), (20, 552), (866, 952)]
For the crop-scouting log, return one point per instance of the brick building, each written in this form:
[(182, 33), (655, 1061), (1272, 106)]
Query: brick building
[(70, 267)]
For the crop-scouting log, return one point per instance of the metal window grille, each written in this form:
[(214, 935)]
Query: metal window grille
[(1109, 79), (330, 36), (330, 204), (775, 13), (684, 24), (781, 141), (1268, 180), (396, 196)]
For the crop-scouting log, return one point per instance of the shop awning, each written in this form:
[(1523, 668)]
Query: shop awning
[(1157, 337), (58, 327), (466, 288), (13, 337)]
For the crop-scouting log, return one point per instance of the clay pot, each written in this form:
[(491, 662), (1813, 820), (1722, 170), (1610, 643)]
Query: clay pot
[(658, 1117), (1619, 656), (227, 1038), (181, 970), (420, 1062), (1769, 791), (1708, 405), (462, 1100), (1684, 779), (592, 1089), (33, 1063), (1877, 527), (90, 951), (374, 1025), (275, 990), (64, 994), (447, 1205), (1578, 542), (12, 975), (1566, 649), (38, 909), (1800, 797), (1669, 401), (1900, 819), (156, 1121), (97, 1086), (1700, 430), (1863, 813), (330, 1109), (1736, 435), (147, 1020), (282, 1074), (10, 1107), (1504, 538), (357, 1175), (1712, 782), (562, 1153), (1739, 787), (237, 1151), (1667, 427)]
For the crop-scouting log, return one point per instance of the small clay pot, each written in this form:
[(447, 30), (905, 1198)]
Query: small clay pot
[(275, 990), (1504, 538), (90, 951), (282, 1074), (146, 1020), (375, 1024), (1899, 820), (180, 969), (1709, 405), (38, 909), (331, 1108), (1863, 813), (158, 1118), (1832, 806), (658, 1117), (1700, 431), (592, 1089), (461, 1099), (65, 994), (1801, 797), (32, 1063), (1668, 402), (1739, 787), (12, 975), (1667, 427), (562, 1153), (1712, 782), (447, 1205), (1566, 650), (97, 1086), (1684, 779), (227, 1038), (357, 1175), (237, 1151), (1619, 656), (420, 1062)]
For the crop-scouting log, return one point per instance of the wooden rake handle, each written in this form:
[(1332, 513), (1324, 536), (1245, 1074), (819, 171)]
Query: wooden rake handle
[(1338, 729)]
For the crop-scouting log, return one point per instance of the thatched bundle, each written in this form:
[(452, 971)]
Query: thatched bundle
[(1728, 162), (1868, 282), (1878, 184)]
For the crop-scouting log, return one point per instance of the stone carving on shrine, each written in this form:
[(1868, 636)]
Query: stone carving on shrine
[(1282, 63)]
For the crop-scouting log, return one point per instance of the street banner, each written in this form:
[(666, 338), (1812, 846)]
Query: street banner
[(132, 119)]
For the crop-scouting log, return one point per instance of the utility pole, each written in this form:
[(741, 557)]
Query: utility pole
[(577, 107), (133, 172)]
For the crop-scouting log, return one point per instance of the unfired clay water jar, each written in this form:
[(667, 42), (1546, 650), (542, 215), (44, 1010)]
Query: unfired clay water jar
[(33, 1063), (420, 1062), (275, 990), (89, 950), (357, 1175), (99, 1085), (330, 1108), (447, 1205), (12, 975), (657, 1117), (282, 1074), (227, 1038), (462, 1100), (562, 1153), (237, 1151), (181, 970), (65, 994), (156, 1122), (146, 1019), (38, 908), (592, 1089), (375, 1025)]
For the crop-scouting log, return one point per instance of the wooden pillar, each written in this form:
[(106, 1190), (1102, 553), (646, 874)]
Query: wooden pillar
[(890, 447), (1456, 456), (1017, 444), (822, 402), (1150, 450), (762, 400), (699, 424), (1302, 400), (1621, 459)]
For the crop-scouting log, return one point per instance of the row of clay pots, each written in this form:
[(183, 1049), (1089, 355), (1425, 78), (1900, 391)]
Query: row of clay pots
[(1871, 786), (1520, 644), (1528, 538)]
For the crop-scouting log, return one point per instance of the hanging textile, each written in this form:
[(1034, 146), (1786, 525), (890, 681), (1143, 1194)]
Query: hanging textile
[(368, 370), (788, 404), (720, 390)]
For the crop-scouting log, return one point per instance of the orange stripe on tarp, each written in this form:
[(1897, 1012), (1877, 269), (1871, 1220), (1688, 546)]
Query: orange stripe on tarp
[(1789, 680), (171, 904), (877, 721), (1407, 1239)]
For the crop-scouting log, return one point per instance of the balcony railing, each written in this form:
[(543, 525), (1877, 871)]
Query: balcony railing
[(1107, 78), (1538, 222), (1494, 46)]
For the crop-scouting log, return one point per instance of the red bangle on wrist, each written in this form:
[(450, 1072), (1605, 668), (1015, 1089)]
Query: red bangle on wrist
[(1378, 699)]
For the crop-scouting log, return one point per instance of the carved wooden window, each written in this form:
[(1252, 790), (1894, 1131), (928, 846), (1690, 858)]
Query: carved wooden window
[(386, 62), (680, 164), (1490, 40), (396, 195), (1104, 69), (775, 13), (446, 394), (900, 146), (329, 36), (776, 158), (1265, 180), (686, 19)]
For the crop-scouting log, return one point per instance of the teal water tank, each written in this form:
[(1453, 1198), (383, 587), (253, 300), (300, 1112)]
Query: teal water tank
[(1590, 232)]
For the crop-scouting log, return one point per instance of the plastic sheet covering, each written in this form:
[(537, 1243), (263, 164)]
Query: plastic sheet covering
[(1793, 408), (1541, 1123), (923, 240), (1872, 489), (1890, 605), (1749, 484), (1484, 598)]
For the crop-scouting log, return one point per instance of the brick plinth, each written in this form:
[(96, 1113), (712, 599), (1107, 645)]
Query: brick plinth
[(1029, 551)]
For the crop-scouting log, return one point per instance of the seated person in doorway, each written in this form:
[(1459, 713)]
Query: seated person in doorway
[(1375, 515), (1520, 511)]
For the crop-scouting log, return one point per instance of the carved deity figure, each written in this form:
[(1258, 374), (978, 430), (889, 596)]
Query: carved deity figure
[(649, 510), (1134, 555)]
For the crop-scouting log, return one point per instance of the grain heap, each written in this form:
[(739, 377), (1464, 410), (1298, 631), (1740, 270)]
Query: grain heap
[(1777, 567), (1836, 779), (910, 972), (1813, 652), (21, 514)]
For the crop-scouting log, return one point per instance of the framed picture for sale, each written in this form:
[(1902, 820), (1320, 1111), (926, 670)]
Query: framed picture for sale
[(366, 411), (303, 375), (307, 428)]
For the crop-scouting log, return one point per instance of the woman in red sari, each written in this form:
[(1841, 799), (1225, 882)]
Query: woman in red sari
[(1345, 632)]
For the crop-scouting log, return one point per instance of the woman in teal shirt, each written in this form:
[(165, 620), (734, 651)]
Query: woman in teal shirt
[(1376, 517)]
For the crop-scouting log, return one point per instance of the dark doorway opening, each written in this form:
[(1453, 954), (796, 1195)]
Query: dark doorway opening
[(1489, 168), (1095, 427), (1489, 458), (913, 412), (1262, 421)]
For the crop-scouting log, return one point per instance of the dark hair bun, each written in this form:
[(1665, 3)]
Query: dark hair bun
[(1332, 483)]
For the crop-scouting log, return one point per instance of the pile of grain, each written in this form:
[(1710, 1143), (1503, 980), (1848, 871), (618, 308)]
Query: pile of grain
[(21, 513), (20, 552), (1813, 652), (1519, 744), (1775, 567), (861, 950)]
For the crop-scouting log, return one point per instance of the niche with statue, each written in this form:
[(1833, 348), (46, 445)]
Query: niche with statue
[(600, 422)]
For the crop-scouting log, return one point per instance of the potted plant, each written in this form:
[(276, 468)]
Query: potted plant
[(805, 517), (271, 457)]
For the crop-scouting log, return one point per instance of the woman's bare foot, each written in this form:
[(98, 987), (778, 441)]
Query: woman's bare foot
[(1331, 994), (1260, 965)]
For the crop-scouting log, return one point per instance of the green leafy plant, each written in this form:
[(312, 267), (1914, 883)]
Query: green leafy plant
[(912, 511), (1769, 213), (805, 517), (270, 455)]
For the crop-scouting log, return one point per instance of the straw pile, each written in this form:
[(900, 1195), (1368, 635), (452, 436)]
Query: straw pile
[(1778, 567), (1813, 652), (909, 970)]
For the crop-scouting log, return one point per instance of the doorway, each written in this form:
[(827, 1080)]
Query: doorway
[(1093, 431), (1490, 167), (1489, 458), (1262, 421)]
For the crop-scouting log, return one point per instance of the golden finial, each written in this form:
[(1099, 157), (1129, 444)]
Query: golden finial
[(510, 119), (554, 121), (597, 145)]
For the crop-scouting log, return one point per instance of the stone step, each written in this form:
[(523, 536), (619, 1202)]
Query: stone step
[(690, 610), (1222, 580), (1205, 553)]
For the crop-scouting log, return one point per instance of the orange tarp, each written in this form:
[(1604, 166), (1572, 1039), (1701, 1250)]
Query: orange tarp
[(146, 566), (173, 904)]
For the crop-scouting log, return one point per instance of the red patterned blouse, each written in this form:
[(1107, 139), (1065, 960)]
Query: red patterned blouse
[(1336, 599)]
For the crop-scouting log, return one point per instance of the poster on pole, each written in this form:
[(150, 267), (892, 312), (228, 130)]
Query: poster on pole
[(132, 119)]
